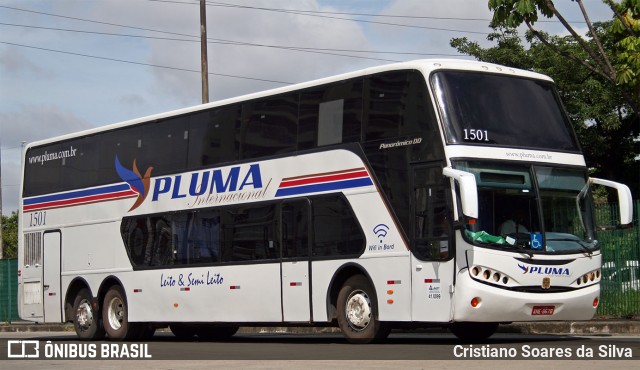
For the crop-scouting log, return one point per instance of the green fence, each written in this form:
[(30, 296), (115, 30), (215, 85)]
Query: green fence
[(8, 290), (620, 294)]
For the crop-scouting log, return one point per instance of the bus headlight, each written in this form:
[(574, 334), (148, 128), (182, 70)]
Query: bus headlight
[(491, 276), (589, 278)]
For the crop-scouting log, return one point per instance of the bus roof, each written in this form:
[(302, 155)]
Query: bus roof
[(426, 66)]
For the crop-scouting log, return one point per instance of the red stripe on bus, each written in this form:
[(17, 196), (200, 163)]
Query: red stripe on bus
[(83, 200), (314, 180), (322, 174)]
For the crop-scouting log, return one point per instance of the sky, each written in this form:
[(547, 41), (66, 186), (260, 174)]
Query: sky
[(71, 65)]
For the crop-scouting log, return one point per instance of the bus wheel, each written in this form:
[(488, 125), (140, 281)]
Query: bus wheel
[(183, 331), (473, 331), (214, 332), (115, 315), (86, 321), (358, 311)]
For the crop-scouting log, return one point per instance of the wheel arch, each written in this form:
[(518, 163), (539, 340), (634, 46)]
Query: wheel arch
[(74, 288), (341, 275), (107, 283)]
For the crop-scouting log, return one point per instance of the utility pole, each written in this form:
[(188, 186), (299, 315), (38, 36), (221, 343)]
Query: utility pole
[(203, 52)]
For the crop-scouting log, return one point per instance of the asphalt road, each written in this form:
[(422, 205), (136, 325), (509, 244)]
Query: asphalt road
[(323, 350)]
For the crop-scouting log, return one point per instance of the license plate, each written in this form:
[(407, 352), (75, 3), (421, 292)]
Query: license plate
[(542, 310)]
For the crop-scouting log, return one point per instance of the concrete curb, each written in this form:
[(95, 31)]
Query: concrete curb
[(559, 327), (20, 327), (577, 327)]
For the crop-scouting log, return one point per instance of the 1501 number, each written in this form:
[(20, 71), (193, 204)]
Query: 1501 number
[(472, 134), (38, 218)]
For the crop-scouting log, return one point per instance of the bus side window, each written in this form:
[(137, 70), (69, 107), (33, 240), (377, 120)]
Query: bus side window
[(336, 230), (212, 137), (162, 253), (125, 143), (396, 105), (204, 238), (268, 126), (330, 114), (164, 145), (295, 229), (44, 174), (79, 170), (195, 238), (136, 238), (432, 228), (249, 234)]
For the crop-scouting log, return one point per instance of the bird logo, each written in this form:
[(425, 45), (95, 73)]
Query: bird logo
[(524, 268), (138, 183)]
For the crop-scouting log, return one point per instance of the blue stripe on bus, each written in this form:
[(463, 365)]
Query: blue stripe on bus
[(77, 194), (316, 188)]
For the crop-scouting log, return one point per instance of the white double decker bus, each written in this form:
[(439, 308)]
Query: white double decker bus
[(425, 193)]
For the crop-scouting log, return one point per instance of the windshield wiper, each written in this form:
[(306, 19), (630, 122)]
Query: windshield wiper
[(483, 238), (587, 249), (521, 249), (516, 244)]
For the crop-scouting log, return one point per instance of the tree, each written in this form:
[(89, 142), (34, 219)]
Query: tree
[(10, 235), (618, 66), (589, 72)]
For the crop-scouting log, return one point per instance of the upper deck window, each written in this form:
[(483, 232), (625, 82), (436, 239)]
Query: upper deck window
[(489, 109)]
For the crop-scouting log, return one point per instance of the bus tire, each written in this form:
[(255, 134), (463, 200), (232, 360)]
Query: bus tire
[(183, 331), (358, 312), (115, 317), (214, 332), (86, 320), (473, 331)]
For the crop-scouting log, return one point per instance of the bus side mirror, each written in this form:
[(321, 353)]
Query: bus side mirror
[(625, 201), (468, 190)]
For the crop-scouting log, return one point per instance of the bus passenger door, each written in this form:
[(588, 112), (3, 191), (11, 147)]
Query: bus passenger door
[(432, 262), (51, 276), (295, 267)]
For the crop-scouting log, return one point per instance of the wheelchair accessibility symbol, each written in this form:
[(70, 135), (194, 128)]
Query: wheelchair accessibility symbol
[(536, 241)]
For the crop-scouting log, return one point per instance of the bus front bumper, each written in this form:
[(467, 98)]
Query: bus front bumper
[(494, 304)]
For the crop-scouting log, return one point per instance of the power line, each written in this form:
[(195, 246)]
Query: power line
[(325, 51), (143, 64), (151, 30), (354, 14), (95, 32), (340, 18), (245, 7), (95, 21), (219, 41)]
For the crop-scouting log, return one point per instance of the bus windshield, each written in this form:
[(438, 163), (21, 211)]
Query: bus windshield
[(531, 209), (491, 109)]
